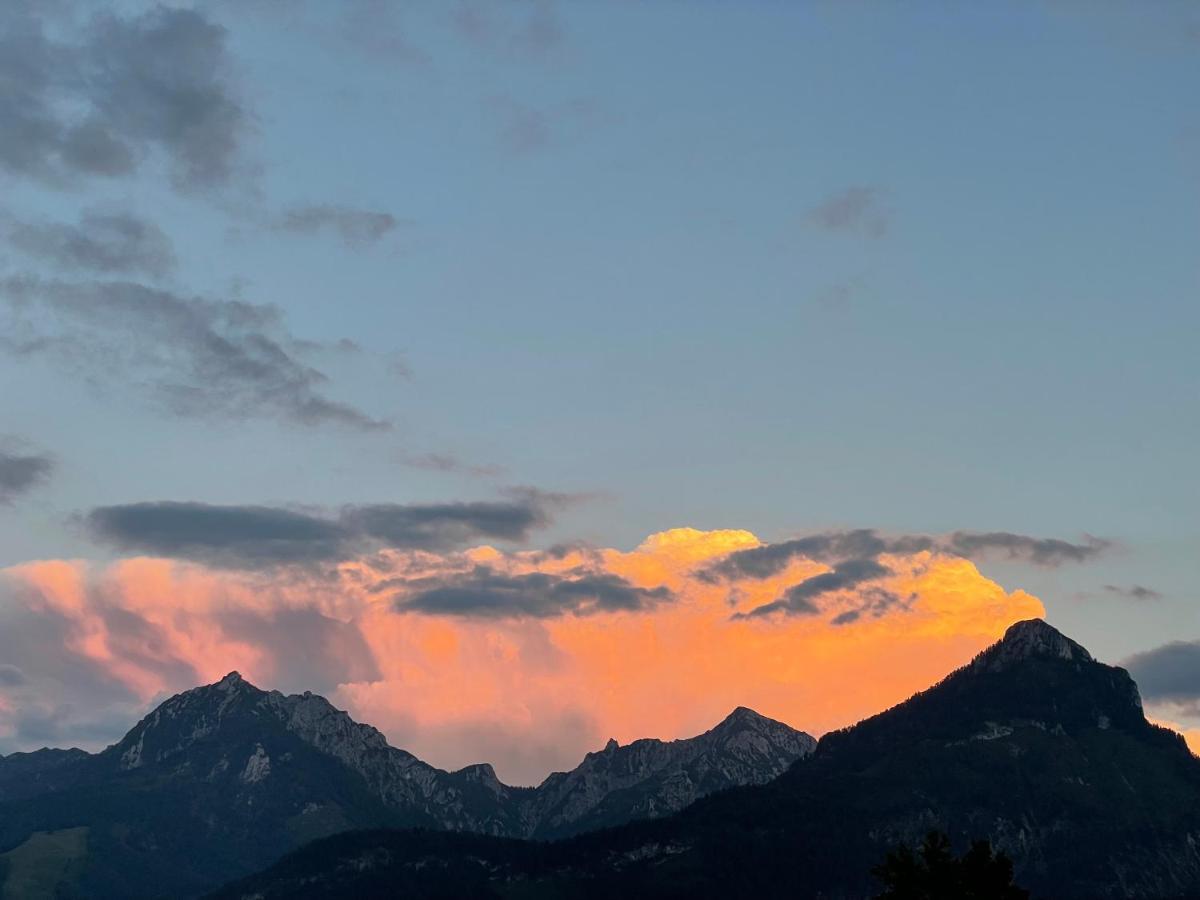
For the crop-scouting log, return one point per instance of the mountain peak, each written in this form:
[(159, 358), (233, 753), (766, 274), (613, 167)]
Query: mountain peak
[(232, 682), (1028, 639), (741, 717)]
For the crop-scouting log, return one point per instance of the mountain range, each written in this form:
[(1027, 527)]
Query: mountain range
[(1033, 745), (221, 780)]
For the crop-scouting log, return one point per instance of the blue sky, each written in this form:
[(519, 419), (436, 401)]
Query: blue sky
[(786, 267)]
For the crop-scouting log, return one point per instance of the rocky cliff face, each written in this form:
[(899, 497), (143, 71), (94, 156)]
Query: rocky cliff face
[(650, 778)]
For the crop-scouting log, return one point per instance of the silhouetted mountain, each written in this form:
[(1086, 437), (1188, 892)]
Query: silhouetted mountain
[(223, 779), (1033, 745)]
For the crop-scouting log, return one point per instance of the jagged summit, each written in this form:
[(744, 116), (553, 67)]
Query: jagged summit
[(232, 681), (1028, 639)]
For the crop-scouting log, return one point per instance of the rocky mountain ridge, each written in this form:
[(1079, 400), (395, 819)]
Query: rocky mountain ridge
[(1033, 745), (247, 774)]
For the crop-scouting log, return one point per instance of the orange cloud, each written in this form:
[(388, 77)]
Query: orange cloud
[(666, 657)]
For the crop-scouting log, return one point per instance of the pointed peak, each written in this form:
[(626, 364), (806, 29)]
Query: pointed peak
[(741, 716), (1027, 639), (231, 682)]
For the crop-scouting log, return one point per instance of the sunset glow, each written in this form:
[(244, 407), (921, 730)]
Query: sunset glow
[(531, 693)]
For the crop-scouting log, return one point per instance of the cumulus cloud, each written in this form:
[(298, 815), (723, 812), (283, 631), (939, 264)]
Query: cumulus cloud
[(21, 472), (259, 536), (593, 643), (858, 209), (197, 356), (108, 243), (99, 101), (355, 227)]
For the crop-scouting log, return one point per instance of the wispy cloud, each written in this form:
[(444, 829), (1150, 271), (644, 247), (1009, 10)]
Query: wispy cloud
[(857, 210), (105, 243), (1132, 592), (448, 462), (355, 227), (99, 103), (196, 356)]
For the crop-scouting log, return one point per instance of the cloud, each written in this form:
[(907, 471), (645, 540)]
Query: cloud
[(802, 598), (770, 559), (593, 643), (113, 243), (856, 210), (11, 676), (21, 473), (524, 29), (98, 103), (1133, 592), (443, 525), (355, 227), (446, 462), (230, 535), (486, 593), (263, 536), (524, 129), (1169, 674), (198, 357), (1049, 552)]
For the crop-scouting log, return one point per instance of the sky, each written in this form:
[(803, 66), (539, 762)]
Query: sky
[(524, 374)]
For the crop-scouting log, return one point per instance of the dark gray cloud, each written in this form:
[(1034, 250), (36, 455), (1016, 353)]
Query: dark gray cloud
[(240, 535), (197, 357), (263, 536), (11, 676), (21, 473), (109, 243), (1170, 673), (484, 593), (771, 559), (440, 526), (873, 602), (802, 598), (1049, 552), (355, 227), (96, 100), (1133, 592), (858, 210)]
